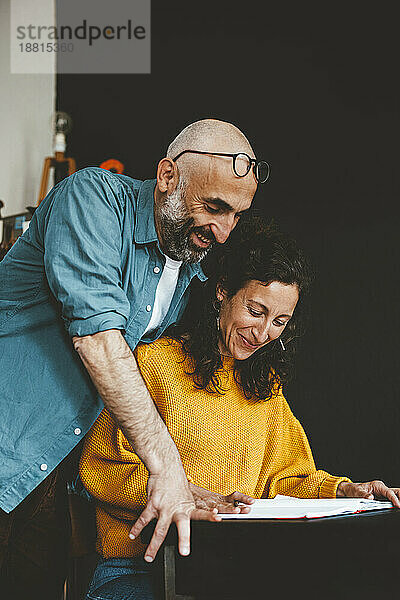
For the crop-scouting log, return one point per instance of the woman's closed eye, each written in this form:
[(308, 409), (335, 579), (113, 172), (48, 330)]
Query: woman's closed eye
[(279, 323), (254, 313)]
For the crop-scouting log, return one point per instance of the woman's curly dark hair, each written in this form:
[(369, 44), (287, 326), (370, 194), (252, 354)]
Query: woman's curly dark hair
[(254, 251)]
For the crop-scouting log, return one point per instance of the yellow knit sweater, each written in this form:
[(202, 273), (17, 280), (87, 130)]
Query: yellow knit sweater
[(226, 443)]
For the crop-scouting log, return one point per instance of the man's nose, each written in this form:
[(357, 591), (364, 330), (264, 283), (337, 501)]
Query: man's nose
[(223, 227)]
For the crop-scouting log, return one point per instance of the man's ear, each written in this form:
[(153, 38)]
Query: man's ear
[(167, 176)]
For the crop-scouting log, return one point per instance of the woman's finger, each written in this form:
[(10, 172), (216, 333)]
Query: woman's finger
[(205, 515), (239, 497), (244, 510), (228, 507), (393, 498), (385, 492), (360, 490)]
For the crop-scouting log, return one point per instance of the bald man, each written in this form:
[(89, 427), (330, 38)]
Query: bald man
[(106, 262)]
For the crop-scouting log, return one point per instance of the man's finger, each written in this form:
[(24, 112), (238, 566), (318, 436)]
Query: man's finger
[(157, 539), (144, 519), (183, 527)]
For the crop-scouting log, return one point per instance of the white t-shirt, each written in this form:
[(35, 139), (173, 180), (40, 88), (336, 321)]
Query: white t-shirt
[(164, 292)]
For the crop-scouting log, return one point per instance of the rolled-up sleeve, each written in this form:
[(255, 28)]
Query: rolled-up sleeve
[(82, 253)]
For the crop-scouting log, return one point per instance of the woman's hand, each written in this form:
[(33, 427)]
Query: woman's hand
[(370, 489), (206, 500)]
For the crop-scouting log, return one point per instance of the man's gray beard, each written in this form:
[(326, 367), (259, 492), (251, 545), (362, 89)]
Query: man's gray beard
[(176, 228)]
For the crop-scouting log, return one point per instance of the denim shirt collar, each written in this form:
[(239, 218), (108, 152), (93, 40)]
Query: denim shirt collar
[(145, 229)]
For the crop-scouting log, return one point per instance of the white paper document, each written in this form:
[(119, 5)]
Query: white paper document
[(286, 507)]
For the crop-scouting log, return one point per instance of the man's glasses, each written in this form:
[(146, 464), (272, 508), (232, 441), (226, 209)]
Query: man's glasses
[(241, 163)]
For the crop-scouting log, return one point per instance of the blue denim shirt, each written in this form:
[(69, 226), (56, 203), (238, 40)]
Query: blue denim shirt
[(89, 261)]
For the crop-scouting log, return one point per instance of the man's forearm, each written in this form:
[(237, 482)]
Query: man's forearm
[(114, 371)]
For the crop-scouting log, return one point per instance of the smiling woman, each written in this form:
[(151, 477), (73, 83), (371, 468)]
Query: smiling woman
[(217, 382), (255, 316), (210, 379), (255, 292)]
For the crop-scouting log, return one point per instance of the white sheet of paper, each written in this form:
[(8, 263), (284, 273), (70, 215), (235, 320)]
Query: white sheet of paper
[(286, 507)]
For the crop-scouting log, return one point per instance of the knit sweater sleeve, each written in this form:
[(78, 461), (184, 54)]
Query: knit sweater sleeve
[(109, 468), (296, 474)]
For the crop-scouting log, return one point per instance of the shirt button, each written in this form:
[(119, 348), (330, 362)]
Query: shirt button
[(156, 269), (148, 307), (77, 431), (43, 467)]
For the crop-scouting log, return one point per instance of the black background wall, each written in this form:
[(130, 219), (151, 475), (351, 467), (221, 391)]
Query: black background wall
[(315, 88)]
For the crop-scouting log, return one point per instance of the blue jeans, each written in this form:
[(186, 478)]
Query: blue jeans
[(122, 579)]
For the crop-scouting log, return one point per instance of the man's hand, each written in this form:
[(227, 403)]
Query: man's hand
[(370, 489), (170, 501), (206, 500)]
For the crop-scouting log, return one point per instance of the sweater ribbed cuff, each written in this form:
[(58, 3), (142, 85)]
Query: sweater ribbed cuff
[(329, 486)]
